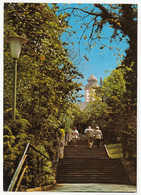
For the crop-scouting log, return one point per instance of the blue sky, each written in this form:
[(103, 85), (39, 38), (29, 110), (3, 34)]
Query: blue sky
[(100, 61)]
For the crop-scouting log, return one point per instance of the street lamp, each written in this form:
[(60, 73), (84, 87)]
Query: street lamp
[(15, 48)]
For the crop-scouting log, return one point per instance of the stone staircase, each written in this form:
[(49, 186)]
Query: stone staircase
[(84, 165)]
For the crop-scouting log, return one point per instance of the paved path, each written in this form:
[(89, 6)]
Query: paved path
[(94, 188)]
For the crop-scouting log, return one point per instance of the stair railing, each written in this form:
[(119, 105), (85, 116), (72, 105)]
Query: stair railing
[(16, 174), (18, 170)]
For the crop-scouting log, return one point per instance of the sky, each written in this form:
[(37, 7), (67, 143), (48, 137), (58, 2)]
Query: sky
[(100, 61)]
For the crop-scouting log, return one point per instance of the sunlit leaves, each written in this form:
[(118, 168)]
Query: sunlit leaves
[(47, 79)]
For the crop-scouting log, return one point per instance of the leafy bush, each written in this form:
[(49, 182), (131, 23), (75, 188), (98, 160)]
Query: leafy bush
[(14, 140), (61, 133), (115, 150)]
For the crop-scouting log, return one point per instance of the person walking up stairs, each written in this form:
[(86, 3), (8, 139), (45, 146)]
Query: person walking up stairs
[(90, 136), (98, 136)]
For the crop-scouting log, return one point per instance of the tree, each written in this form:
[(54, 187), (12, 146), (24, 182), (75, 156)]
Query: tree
[(108, 109), (47, 79), (45, 73), (113, 91), (80, 118)]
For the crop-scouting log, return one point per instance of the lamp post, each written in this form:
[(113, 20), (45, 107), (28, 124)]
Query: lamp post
[(15, 48)]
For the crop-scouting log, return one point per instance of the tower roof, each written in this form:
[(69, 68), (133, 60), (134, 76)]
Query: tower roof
[(92, 78)]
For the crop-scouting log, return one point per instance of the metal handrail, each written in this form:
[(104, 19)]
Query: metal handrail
[(16, 174), (38, 151)]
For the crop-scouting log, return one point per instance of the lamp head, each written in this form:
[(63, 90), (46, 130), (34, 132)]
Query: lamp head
[(15, 45)]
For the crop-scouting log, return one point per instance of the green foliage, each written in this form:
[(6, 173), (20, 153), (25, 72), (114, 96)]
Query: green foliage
[(123, 117), (98, 112), (46, 83), (39, 171), (16, 136), (113, 91), (108, 109), (8, 114), (10, 151), (114, 150), (67, 119), (80, 118), (61, 133), (129, 143)]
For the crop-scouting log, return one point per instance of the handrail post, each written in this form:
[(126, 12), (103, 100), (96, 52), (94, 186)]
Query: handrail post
[(21, 178), (13, 181)]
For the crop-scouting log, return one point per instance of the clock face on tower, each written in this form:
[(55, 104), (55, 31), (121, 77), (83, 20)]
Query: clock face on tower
[(87, 95)]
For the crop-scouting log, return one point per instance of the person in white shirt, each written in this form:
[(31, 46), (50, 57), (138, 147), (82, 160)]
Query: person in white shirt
[(75, 136), (85, 131), (90, 136), (98, 136)]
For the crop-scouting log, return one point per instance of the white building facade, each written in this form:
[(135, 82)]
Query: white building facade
[(92, 83)]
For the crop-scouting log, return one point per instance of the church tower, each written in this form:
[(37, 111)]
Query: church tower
[(92, 82)]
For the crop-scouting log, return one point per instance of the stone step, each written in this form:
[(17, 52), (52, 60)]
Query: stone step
[(77, 162), (110, 181), (90, 177), (85, 165), (97, 175), (90, 161), (83, 151), (88, 165), (62, 171)]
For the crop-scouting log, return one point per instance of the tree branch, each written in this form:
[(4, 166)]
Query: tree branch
[(84, 11)]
